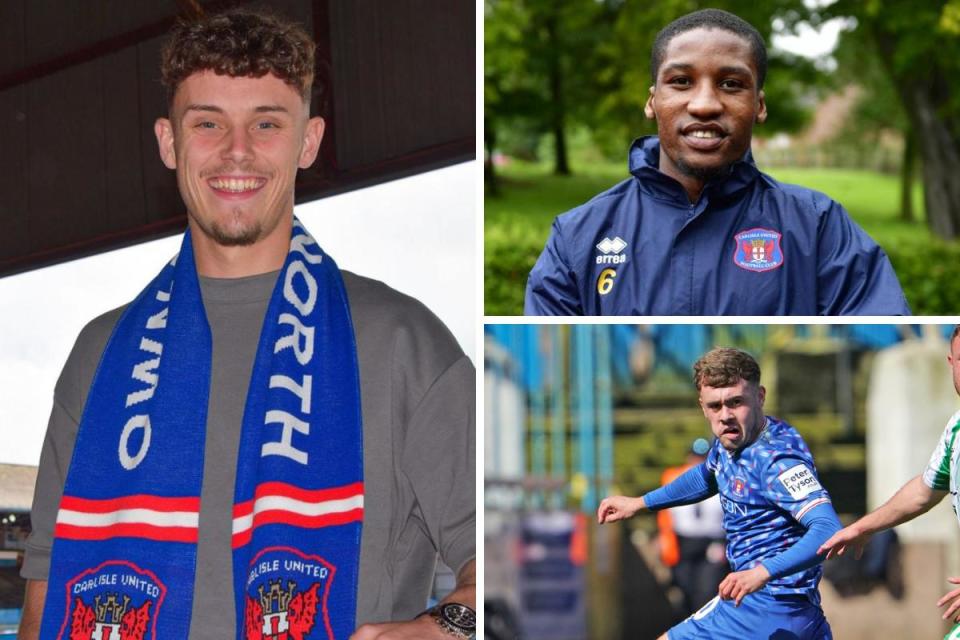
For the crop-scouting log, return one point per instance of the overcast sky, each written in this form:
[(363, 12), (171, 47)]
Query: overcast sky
[(810, 42)]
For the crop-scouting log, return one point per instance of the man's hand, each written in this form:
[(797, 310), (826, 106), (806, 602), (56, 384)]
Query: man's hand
[(852, 537), (911, 500), (618, 508), (954, 599), (742, 583), (423, 627)]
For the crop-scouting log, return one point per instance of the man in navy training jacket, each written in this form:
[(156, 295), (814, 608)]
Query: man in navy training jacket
[(697, 229), (775, 512)]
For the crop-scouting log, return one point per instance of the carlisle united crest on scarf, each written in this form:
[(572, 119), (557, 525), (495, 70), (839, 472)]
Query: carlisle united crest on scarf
[(124, 553)]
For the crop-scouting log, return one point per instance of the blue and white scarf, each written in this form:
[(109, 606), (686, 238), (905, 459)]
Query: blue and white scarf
[(124, 554)]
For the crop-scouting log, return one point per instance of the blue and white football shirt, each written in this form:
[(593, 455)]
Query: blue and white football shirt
[(765, 489)]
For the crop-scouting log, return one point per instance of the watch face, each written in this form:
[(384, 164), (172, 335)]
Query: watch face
[(459, 615)]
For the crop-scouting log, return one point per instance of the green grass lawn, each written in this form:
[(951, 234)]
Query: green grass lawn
[(532, 197), (517, 221), (871, 198)]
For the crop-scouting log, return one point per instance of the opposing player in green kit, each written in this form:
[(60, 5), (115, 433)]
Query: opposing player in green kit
[(919, 495)]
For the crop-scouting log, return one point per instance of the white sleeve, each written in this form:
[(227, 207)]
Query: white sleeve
[(937, 474)]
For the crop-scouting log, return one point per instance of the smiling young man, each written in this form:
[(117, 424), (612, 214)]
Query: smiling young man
[(259, 445), (775, 512), (917, 496), (697, 229)]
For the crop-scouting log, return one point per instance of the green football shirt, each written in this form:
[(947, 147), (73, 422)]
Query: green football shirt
[(943, 470)]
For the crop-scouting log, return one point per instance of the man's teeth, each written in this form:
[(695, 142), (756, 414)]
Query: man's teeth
[(235, 185), (704, 134)]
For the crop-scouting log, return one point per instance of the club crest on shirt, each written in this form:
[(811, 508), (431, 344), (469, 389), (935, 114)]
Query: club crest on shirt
[(757, 250), (286, 596), (114, 601), (739, 487)]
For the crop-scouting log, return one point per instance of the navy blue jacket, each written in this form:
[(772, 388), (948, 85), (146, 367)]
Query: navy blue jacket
[(749, 246)]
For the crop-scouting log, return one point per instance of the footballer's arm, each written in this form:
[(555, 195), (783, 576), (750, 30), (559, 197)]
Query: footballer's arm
[(913, 499), (820, 523), (693, 485)]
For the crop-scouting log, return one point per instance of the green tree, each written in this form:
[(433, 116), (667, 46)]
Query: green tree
[(919, 47), (537, 67), (506, 89), (878, 109)]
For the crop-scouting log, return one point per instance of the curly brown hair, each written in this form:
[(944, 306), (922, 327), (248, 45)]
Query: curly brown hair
[(239, 43), (725, 367)]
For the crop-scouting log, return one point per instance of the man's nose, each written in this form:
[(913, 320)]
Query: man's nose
[(705, 103), (238, 145), (726, 414)]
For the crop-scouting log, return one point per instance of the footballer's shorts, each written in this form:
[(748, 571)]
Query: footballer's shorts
[(760, 615), (953, 634)]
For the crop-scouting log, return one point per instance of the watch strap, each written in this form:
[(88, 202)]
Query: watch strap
[(449, 626)]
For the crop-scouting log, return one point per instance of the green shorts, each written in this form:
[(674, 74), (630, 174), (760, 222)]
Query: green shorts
[(954, 633)]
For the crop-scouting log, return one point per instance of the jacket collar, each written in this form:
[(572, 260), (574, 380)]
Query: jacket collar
[(644, 163)]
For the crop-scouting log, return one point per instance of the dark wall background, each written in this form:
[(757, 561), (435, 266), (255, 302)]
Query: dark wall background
[(79, 91)]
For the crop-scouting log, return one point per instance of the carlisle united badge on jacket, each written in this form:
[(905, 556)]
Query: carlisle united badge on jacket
[(757, 250)]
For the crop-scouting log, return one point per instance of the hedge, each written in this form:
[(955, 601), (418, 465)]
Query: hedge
[(509, 255), (929, 271)]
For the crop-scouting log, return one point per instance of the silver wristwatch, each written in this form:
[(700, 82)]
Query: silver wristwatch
[(456, 619)]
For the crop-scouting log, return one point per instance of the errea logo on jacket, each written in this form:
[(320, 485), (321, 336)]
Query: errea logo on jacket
[(611, 250)]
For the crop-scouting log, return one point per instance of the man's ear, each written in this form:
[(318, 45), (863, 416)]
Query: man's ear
[(761, 395), (312, 136), (163, 129), (762, 107), (649, 109)]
